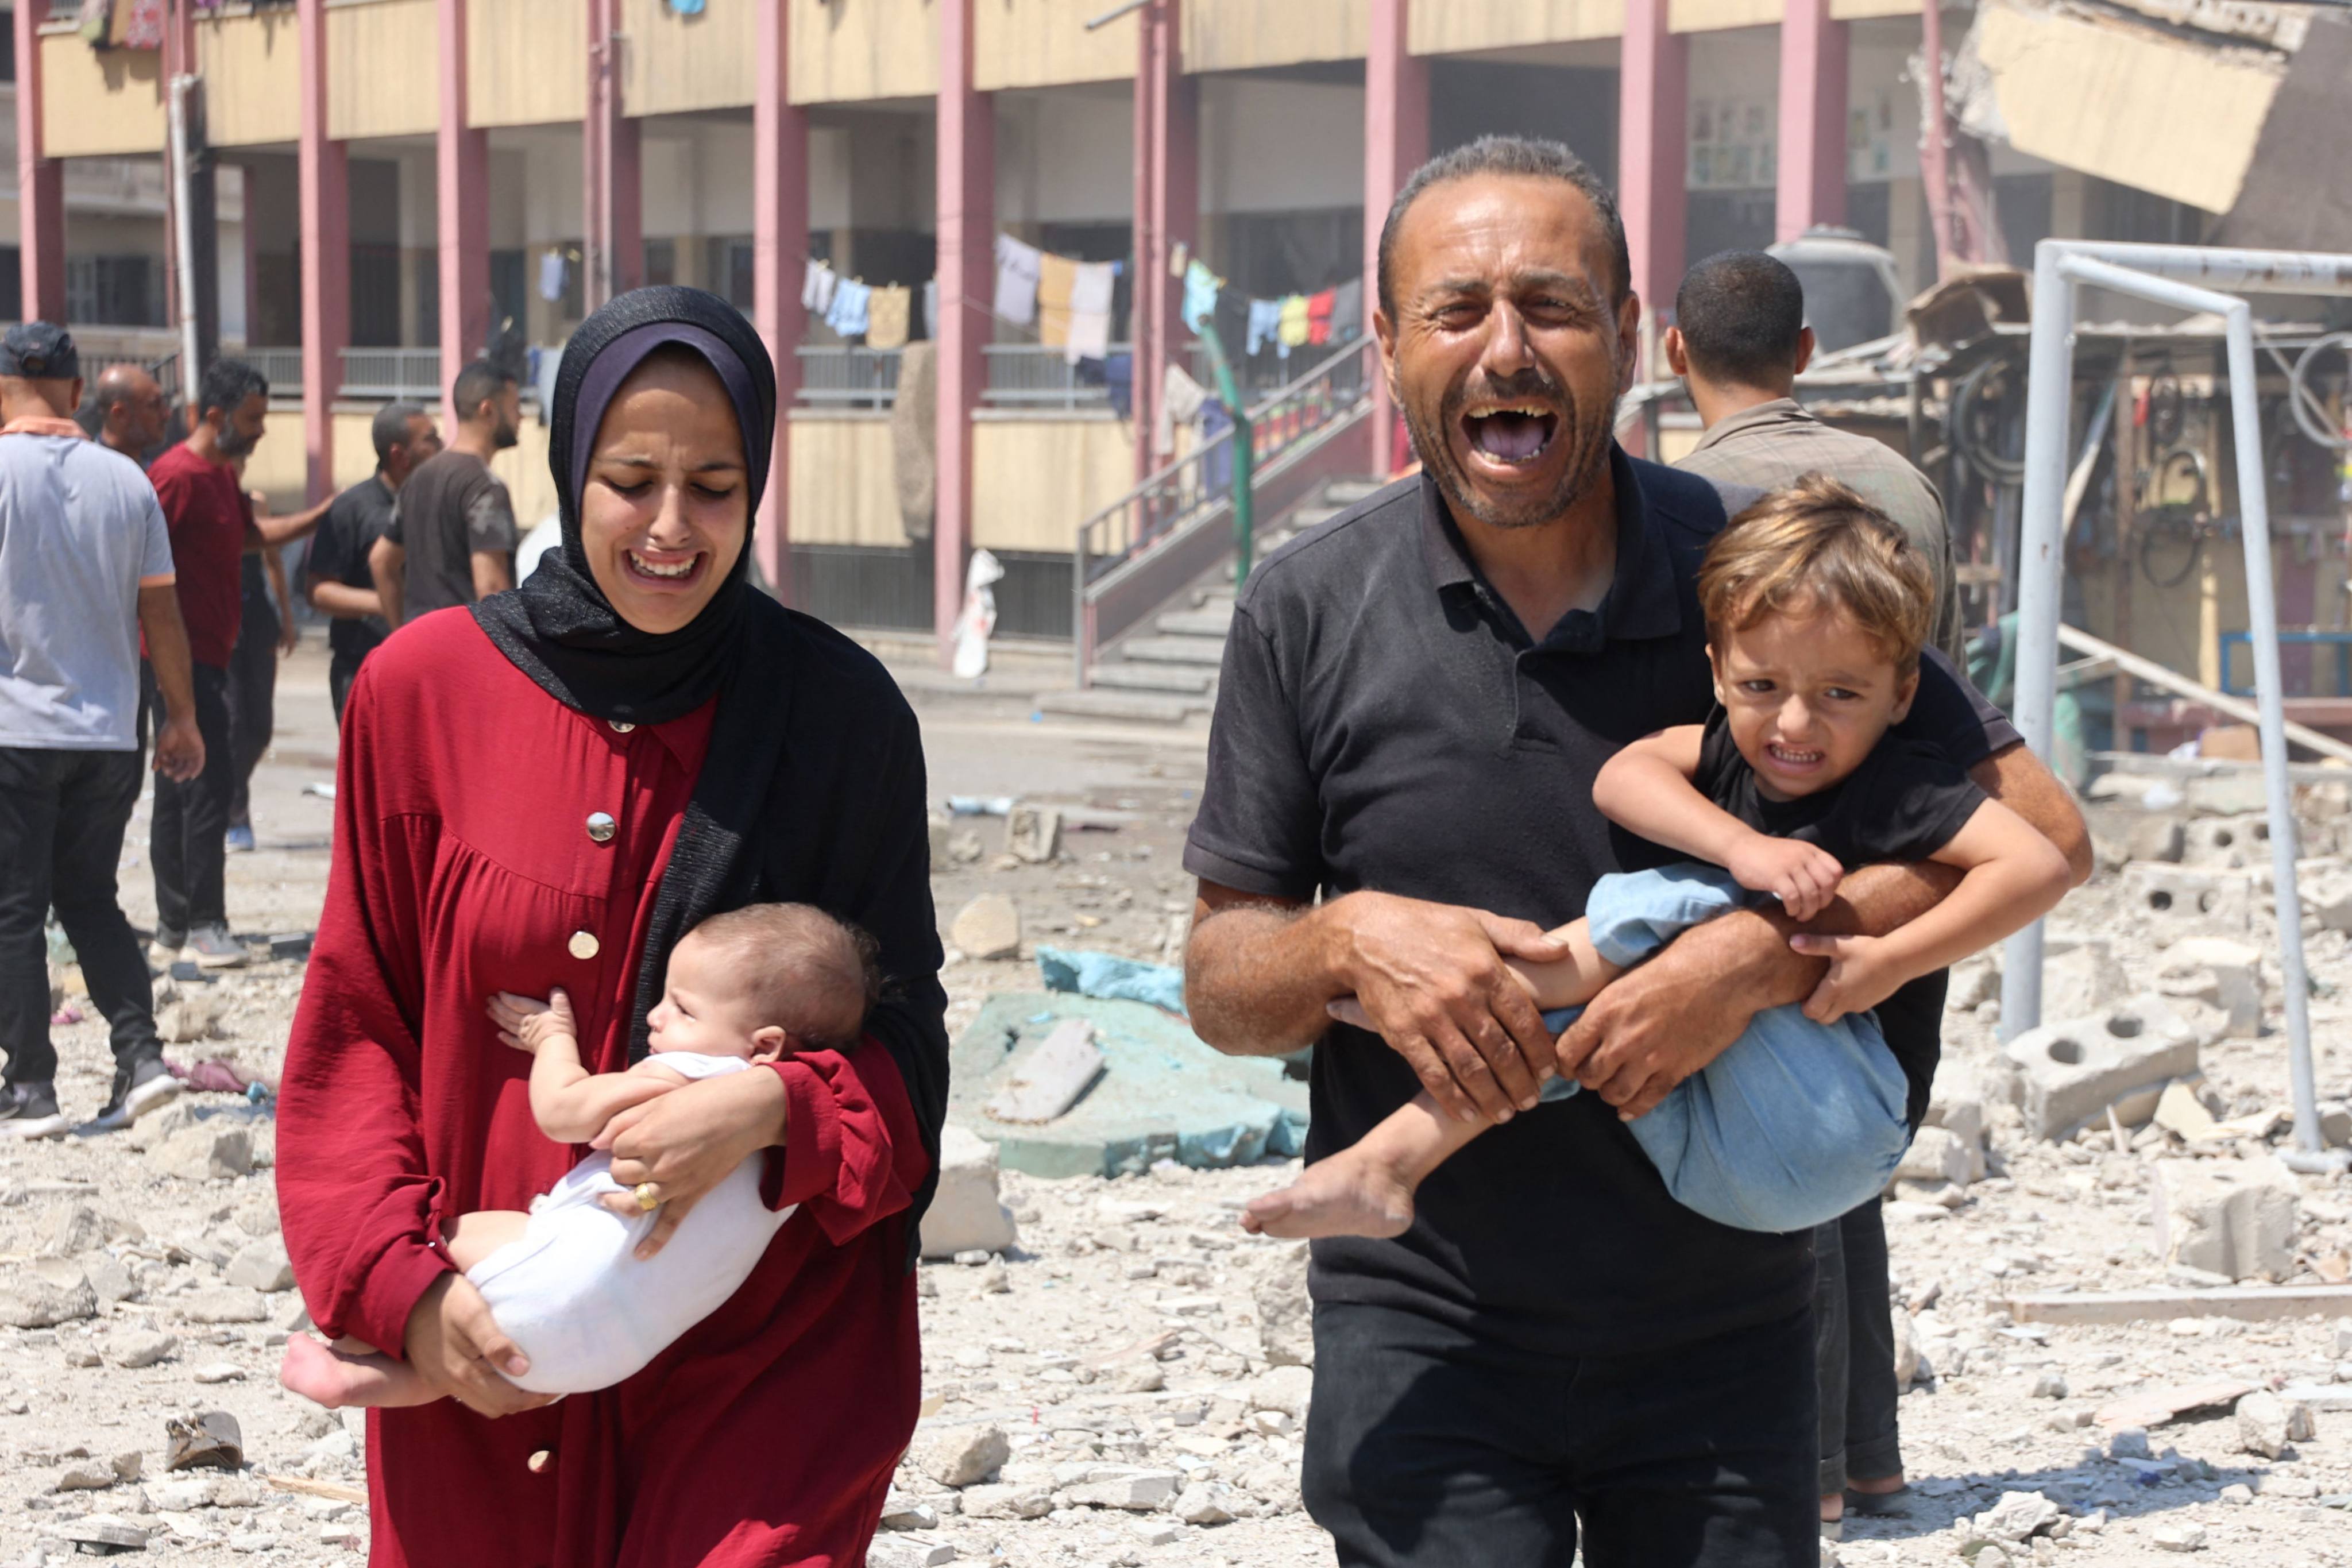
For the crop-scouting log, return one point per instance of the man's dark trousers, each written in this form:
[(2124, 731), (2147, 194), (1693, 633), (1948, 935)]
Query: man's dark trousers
[(61, 819), (1855, 1322), (1430, 1446), (191, 860), (252, 686)]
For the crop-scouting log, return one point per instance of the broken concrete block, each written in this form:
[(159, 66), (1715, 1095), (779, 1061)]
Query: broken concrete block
[(1034, 833), (943, 828), (1205, 1502), (2267, 1424), (73, 1228), (110, 1279), (1287, 1389), (2083, 979), (195, 1014), (1008, 1500), (1130, 1487), (2179, 900), (2227, 842), (2074, 1070), (1051, 1077), (1938, 1155), (45, 1293), (2180, 1536), (988, 927), (1907, 1368), (2178, 1109), (2019, 1516), (2327, 898), (1285, 1317), (203, 1152), (959, 1455), (262, 1266), (1975, 981), (1955, 1103), (965, 1214), (2156, 839), (2232, 1217), (223, 1307), (2220, 974), (142, 1348)]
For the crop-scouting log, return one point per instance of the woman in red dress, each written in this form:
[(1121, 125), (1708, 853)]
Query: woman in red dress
[(550, 789)]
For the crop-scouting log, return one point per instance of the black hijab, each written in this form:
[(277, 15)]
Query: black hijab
[(812, 791)]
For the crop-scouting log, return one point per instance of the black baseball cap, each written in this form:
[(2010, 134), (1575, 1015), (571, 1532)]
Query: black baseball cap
[(39, 350)]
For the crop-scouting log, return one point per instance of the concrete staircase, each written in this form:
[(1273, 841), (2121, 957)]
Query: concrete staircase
[(1166, 672)]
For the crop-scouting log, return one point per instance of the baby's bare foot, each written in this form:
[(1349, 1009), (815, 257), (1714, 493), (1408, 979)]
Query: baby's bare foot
[(316, 1373), (1346, 1194)]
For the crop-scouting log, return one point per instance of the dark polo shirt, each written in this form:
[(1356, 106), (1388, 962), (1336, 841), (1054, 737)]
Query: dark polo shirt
[(1384, 722)]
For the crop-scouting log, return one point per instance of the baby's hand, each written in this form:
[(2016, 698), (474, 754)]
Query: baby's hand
[(1804, 877), (527, 1024), (1860, 975)]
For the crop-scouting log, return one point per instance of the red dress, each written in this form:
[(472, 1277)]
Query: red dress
[(463, 866)]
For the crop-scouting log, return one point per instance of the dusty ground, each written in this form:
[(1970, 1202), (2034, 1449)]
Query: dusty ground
[(1117, 1350)]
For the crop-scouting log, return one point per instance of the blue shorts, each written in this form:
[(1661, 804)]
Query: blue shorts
[(1796, 1123)]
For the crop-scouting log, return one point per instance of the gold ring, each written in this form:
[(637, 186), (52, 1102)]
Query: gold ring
[(648, 1197)]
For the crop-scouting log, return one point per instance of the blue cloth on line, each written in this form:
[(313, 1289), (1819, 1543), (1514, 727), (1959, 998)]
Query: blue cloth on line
[(1111, 978), (1796, 1123), (1265, 320), (848, 314), (1200, 294)]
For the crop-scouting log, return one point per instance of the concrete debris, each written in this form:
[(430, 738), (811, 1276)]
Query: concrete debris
[(262, 1265), (1007, 1501), (2220, 974), (988, 927), (1135, 1487), (1033, 833), (2071, 1072), (2155, 1407), (1286, 1317), (2175, 901), (2018, 1516), (2228, 842), (2182, 1536), (2081, 979), (2235, 1218), (204, 1153), (959, 1455), (2268, 1423), (1938, 1155), (194, 1015), (142, 1348), (73, 1228), (1205, 1503), (43, 1293), (1050, 1076), (966, 1214)]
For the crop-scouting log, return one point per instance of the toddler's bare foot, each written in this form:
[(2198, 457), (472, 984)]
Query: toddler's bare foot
[(1347, 1194), (340, 1380)]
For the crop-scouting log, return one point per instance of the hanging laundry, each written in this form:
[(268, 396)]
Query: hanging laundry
[(1056, 277), (848, 315), (1016, 280), (1179, 254), (551, 276), (1265, 320), (140, 24), (1200, 294), (1090, 296), (816, 288), (1319, 316), (1180, 399), (886, 316), (931, 309), (1294, 323), (1347, 311)]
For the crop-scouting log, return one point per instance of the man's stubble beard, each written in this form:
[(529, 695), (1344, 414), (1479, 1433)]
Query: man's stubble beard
[(1589, 458)]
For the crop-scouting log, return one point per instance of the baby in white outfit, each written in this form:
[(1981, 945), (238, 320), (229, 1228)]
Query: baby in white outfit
[(563, 1280)]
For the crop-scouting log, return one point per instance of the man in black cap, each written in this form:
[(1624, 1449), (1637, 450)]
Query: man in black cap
[(85, 567)]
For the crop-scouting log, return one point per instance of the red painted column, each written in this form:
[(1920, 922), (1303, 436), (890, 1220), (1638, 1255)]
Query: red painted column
[(462, 194), (1811, 188), (1396, 143), (322, 171), (967, 236), (612, 209), (1653, 147), (40, 182), (1167, 206), (779, 209)]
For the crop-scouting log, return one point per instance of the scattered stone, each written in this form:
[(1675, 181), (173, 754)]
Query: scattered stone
[(959, 1455), (1285, 1317), (2017, 1516), (988, 927), (2179, 1536), (2157, 839), (2237, 1494), (84, 1479), (2232, 1217), (2220, 974), (2154, 1407), (263, 1266), (907, 1552), (257, 1215), (223, 1307), (2082, 980), (1158, 1532), (202, 1153), (1007, 1501), (1148, 1378), (2074, 1070), (1204, 1503), (2049, 1385), (108, 1280), (1289, 1389), (1938, 1155), (213, 1439), (190, 1016), (2268, 1423), (1051, 1077), (106, 1534), (218, 1372), (1130, 1487), (2130, 1443), (900, 1512), (74, 1229), (1033, 833), (45, 1293), (142, 1348)]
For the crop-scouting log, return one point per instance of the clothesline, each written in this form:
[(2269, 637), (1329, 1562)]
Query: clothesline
[(1333, 315)]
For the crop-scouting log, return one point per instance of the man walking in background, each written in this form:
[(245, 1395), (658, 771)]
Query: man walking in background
[(211, 526), (132, 412), (1739, 341), (266, 633), (452, 540), (339, 582), (85, 567)]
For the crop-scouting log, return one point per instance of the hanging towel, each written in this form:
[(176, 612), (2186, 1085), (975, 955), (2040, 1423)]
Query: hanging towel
[(816, 288), (848, 315), (1294, 323), (1319, 316), (1180, 399), (1016, 280), (1200, 294), (1090, 296), (1264, 318), (885, 318), (1056, 277), (551, 276), (914, 438), (931, 309), (141, 23), (1347, 311)]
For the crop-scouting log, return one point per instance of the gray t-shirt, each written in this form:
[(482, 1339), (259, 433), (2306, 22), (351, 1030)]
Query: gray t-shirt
[(451, 509), (81, 533)]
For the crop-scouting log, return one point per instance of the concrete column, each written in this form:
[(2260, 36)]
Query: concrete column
[(1167, 208), (40, 182), (967, 234), (612, 208), (462, 196), (322, 170), (779, 211), (1396, 143), (1811, 188), (1653, 146)]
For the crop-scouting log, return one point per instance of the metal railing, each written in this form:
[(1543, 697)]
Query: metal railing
[(1195, 491), (282, 368), (844, 375), (1031, 375), (391, 373), (1259, 373)]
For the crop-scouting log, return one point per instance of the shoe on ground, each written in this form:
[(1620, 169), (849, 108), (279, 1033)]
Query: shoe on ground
[(211, 947), (151, 1088), (164, 949), (240, 837), (30, 1111)]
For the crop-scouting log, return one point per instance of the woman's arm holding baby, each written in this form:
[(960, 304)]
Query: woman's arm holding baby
[(1646, 789), (570, 1103), (2012, 877)]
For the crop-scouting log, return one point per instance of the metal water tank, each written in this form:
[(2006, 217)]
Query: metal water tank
[(1852, 292)]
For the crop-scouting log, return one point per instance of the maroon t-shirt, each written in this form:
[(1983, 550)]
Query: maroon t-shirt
[(207, 512)]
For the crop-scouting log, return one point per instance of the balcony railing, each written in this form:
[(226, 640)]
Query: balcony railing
[(412, 374), (844, 375), (1031, 375)]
